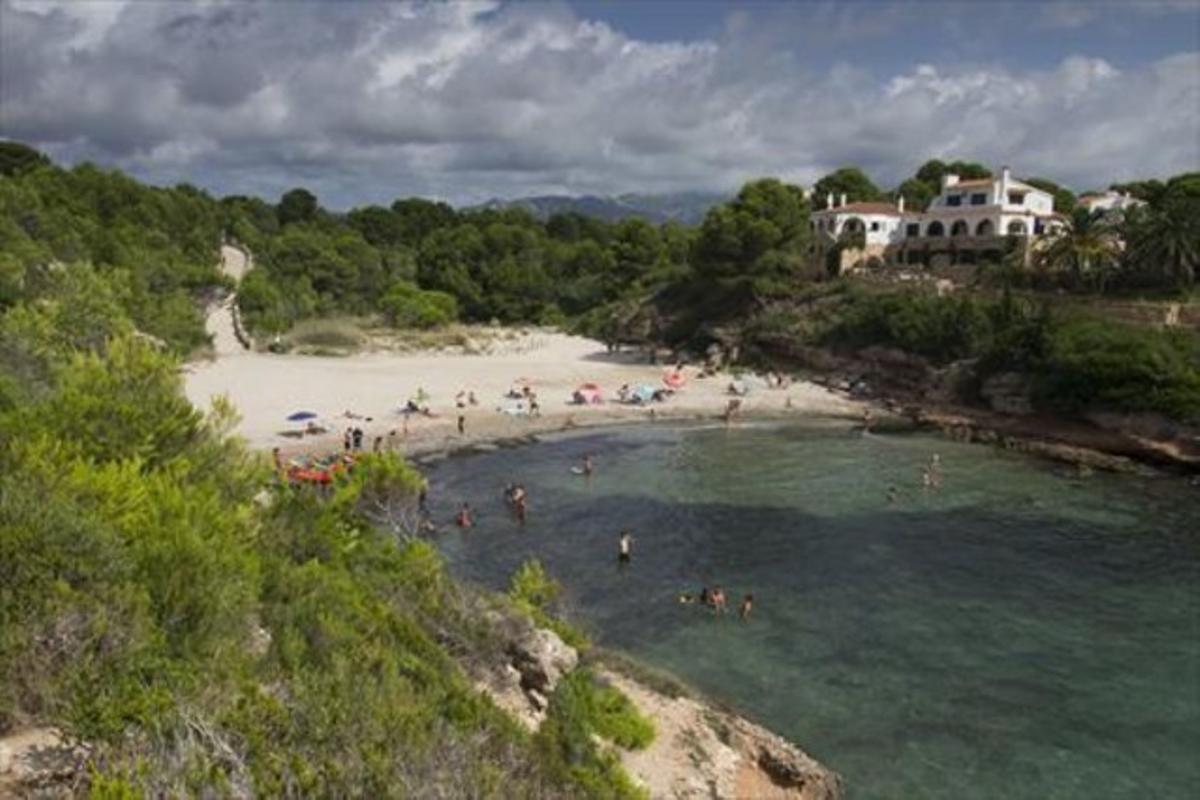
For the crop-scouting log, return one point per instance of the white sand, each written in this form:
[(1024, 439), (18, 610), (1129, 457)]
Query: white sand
[(266, 388)]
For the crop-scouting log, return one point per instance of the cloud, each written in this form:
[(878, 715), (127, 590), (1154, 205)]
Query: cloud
[(365, 102)]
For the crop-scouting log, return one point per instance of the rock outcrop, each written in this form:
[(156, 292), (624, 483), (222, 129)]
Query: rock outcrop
[(536, 659), (542, 658), (700, 752), (38, 762)]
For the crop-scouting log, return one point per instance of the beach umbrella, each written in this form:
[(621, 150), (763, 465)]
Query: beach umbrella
[(301, 416)]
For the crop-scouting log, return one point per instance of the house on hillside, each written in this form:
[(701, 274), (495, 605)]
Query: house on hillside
[(969, 222), (1110, 202)]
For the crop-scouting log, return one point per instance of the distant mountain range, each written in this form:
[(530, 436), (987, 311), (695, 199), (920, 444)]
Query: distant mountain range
[(686, 207)]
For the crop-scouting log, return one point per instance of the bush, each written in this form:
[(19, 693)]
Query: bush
[(535, 594), (580, 709), (1094, 364), (406, 306)]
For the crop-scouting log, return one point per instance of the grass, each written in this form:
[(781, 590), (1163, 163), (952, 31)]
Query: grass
[(343, 334)]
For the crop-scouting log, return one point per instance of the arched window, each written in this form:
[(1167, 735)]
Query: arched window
[(935, 229), (985, 228), (1017, 228), (853, 225), (959, 228)]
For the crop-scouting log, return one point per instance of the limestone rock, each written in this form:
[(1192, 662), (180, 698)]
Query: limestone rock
[(39, 761), (542, 658)]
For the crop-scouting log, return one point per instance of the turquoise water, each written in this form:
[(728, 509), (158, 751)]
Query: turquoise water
[(1022, 633)]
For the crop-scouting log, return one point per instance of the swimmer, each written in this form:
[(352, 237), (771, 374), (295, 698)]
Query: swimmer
[(746, 607), (717, 598), (893, 494), (464, 519), (625, 548)]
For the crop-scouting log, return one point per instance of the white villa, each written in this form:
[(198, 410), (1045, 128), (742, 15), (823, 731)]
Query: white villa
[(1110, 202), (968, 222)]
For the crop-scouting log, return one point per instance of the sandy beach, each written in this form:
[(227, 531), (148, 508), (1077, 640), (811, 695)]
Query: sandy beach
[(370, 389)]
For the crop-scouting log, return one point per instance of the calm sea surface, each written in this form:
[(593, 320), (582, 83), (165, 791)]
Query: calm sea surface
[(1022, 633)]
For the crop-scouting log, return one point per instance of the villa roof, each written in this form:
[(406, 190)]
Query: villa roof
[(974, 182), (863, 208)]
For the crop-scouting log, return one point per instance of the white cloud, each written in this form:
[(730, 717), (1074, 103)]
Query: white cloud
[(365, 102)]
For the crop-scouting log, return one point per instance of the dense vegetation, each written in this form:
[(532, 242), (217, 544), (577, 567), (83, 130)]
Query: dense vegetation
[(1074, 362), (207, 628)]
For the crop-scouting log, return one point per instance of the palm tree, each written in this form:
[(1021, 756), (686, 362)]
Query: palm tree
[(1164, 244), (1087, 247)]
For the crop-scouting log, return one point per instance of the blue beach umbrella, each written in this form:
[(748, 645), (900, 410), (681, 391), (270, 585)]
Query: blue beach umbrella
[(300, 416)]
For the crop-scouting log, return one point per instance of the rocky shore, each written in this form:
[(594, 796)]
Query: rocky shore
[(700, 750)]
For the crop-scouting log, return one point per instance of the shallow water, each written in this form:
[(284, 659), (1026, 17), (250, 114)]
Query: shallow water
[(1021, 633)]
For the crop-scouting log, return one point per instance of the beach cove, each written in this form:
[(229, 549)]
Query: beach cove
[(1022, 632)]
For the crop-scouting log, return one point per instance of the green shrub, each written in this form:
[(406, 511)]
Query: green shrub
[(579, 710), (406, 306), (1094, 364), (535, 594)]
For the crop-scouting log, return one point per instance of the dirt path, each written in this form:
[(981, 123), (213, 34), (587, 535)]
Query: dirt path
[(219, 323)]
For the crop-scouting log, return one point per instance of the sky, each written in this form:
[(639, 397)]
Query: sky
[(364, 102)]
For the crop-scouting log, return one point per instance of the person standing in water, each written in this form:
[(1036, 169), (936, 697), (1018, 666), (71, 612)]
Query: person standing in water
[(717, 598), (746, 607), (625, 548), (519, 502), (935, 471), (464, 518), (588, 466)]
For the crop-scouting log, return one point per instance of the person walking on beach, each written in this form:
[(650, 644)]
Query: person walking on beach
[(462, 425), (625, 548)]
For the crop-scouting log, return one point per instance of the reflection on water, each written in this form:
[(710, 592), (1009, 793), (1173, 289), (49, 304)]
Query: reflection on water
[(1020, 633)]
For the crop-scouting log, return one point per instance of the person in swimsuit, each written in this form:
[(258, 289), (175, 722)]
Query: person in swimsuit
[(746, 607), (718, 600), (519, 503), (464, 518), (625, 548)]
